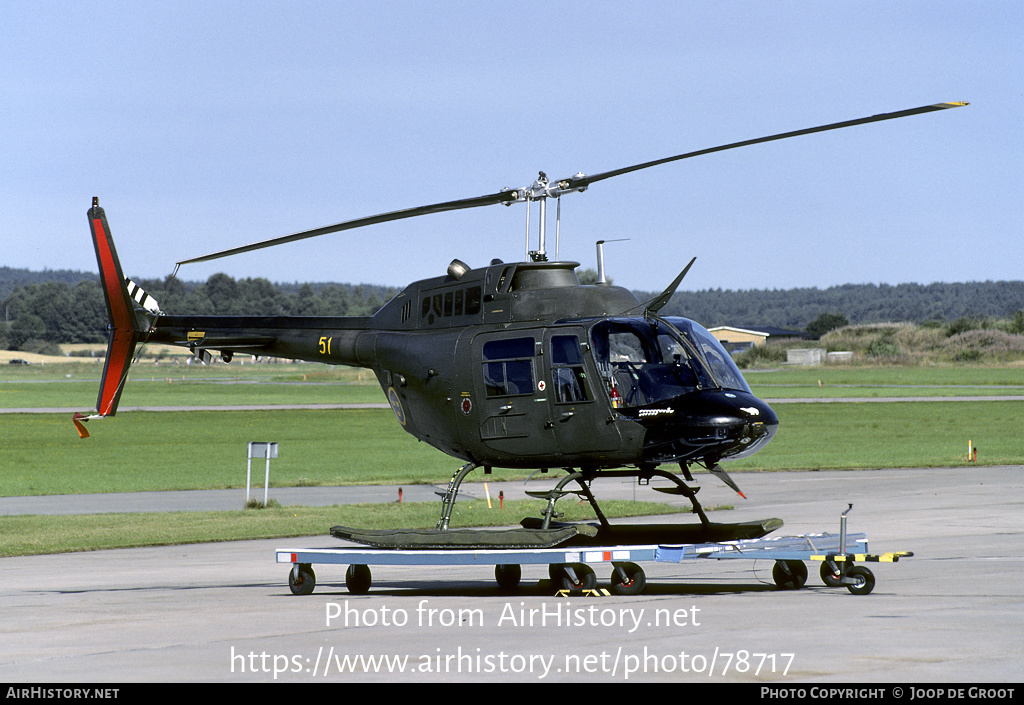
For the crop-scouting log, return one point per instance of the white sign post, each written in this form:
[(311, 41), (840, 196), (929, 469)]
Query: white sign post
[(260, 449)]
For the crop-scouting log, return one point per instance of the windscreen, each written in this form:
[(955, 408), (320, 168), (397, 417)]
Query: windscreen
[(647, 361), (716, 356)]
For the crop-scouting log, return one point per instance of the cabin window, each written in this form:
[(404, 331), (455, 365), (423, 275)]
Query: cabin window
[(567, 373), (473, 301), (460, 302), (508, 367)]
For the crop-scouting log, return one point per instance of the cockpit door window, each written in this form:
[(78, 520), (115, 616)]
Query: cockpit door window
[(567, 372)]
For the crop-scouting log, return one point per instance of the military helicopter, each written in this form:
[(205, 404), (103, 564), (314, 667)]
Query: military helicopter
[(509, 365)]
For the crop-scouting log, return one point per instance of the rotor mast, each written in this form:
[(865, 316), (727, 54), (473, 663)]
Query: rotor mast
[(541, 190)]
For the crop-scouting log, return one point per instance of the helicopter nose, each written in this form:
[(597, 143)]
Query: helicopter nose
[(741, 423), (757, 429), (708, 425)]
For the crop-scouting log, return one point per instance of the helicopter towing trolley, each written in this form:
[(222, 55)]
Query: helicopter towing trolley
[(570, 568), (837, 554)]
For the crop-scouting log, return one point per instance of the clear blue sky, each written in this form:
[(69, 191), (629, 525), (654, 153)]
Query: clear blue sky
[(205, 125)]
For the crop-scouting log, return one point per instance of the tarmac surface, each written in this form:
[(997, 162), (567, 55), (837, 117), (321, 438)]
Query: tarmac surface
[(952, 613)]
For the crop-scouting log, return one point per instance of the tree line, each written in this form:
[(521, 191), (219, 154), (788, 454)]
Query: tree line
[(53, 307), (858, 303), (39, 316)]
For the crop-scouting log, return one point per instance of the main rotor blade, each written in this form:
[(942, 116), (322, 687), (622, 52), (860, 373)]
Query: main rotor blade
[(584, 181), (578, 182), (500, 197)]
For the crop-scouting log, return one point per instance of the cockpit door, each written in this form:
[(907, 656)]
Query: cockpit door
[(578, 401)]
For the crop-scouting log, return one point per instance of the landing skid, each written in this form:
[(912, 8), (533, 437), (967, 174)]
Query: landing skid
[(471, 539), (547, 532), (531, 535), (641, 534), (582, 478)]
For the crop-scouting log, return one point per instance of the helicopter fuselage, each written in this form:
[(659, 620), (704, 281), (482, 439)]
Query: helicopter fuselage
[(519, 365), (510, 365)]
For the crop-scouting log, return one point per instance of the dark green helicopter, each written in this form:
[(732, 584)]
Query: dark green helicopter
[(511, 365)]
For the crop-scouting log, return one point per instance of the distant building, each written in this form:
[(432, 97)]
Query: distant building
[(805, 356), (737, 340)]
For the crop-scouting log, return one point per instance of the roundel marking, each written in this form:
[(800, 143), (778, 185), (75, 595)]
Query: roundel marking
[(467, 406), (396, 405)]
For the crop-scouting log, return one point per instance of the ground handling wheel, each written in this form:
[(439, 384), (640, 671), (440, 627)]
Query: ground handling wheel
[(508, 576), (789, 575), (301, 579), (628, 579), (831, 574), (863, 580), (358, 579), (574, 576)]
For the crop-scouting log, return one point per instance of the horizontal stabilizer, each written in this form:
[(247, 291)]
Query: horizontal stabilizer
[(141, 297)]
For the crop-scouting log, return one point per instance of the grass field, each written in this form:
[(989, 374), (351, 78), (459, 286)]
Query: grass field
[(143, 451), (883, 381), (139, 451), (33, 535), (166, 450), (76, 384)]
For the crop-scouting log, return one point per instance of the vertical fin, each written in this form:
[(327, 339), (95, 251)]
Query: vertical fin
[(124, 329)]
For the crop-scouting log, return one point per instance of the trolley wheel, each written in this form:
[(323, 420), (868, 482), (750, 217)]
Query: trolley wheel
[(789, 575), (831, 577), (508, 575), (303, 580), (585, 578), (628, 579), (358, 579), (864, 580)]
